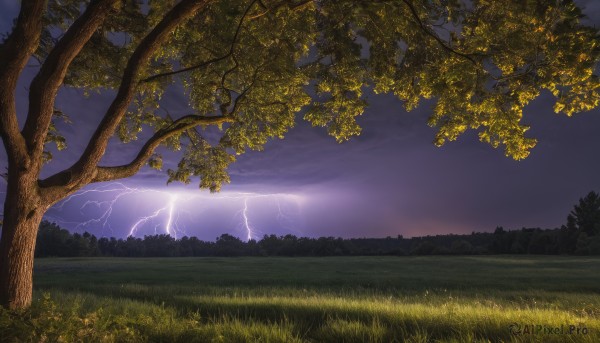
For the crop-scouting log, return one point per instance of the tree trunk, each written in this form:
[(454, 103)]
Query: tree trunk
[(23, 213)]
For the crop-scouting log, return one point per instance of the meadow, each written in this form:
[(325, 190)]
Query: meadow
[(332, 299)]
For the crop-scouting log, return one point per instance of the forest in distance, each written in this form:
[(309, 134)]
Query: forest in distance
[(579, 236)]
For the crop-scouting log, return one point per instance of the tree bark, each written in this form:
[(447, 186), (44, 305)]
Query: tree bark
[(23, 213)]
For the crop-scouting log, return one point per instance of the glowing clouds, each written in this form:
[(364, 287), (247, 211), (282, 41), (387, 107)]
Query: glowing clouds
[(119, 210)]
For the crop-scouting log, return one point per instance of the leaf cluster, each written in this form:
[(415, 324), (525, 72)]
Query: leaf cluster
[(261, 62)]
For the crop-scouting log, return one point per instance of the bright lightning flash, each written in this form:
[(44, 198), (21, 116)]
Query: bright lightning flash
[(169, 208), (167, 216), (246, 222)]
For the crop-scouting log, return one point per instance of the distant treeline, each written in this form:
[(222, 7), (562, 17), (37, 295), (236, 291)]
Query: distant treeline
[(580, 236)]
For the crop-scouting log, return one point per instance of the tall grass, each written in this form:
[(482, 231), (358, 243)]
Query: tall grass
[(437, 299)]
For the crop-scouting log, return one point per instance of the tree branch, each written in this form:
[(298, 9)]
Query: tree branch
[(84, 169), (184, 70), (14, 54), (429, 32), (180, 125), (48, 80), (211, 61)]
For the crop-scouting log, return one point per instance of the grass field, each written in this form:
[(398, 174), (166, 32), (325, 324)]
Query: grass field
[(338, 299)]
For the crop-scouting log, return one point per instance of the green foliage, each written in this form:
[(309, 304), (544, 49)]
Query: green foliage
[(261, 63), (45, 322), (208, 162), (155, 162), (54, 135), (101, 63)]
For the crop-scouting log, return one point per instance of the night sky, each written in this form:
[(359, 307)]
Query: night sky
[(390, 180)]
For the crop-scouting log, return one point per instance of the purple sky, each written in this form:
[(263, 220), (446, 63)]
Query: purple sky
[(390, 180)]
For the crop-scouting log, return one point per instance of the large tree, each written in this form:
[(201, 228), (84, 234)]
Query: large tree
[(250, 66)]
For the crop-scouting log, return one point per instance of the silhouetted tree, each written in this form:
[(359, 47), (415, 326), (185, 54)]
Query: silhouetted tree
[(585, 216), (461, 247), (51, 240), (423, 248), (567, 239), (228, 245), (542, 242), (572, 238)]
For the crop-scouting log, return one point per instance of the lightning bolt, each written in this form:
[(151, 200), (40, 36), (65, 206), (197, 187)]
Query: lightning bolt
[(167, 216), (170, 209), (246, 221), (109, 205), (170, 217), (117, 191), (251, 232)]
